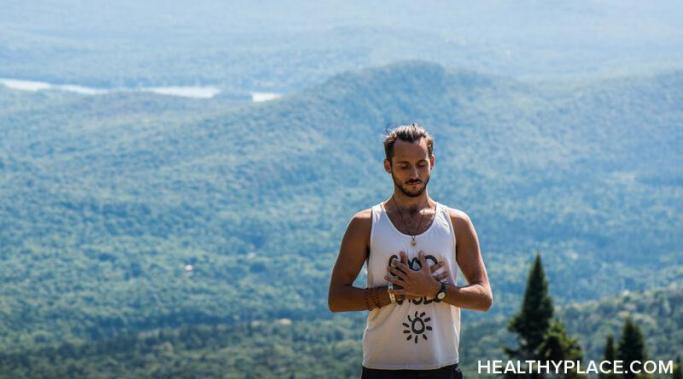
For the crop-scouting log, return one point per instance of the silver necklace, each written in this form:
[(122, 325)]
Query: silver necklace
[(412, 241)]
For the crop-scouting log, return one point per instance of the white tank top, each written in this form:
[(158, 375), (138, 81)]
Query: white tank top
[(421, 334)]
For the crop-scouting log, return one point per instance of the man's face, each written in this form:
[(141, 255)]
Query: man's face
[(410, 167)]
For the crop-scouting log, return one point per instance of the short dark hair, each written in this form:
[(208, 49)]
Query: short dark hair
[(408, 133)]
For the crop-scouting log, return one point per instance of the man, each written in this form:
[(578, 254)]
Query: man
[(413, 246)]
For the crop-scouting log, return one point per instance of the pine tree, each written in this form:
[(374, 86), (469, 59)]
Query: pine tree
[(533, 320), (631, 346), (610, 356), (677, 369), (559, 346)]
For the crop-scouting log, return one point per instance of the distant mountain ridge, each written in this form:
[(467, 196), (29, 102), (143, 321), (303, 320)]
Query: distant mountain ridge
[(285, 47)]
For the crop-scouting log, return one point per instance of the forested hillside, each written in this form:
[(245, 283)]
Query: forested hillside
[(284, 348), (105, 200)]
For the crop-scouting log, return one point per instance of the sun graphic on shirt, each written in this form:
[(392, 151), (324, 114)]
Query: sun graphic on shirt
[(417, 327)]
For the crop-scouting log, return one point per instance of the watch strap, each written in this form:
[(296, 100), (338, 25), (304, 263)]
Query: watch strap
[(442, 288)]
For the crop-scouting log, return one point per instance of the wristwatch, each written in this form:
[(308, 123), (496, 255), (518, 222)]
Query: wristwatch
[(441, 294)]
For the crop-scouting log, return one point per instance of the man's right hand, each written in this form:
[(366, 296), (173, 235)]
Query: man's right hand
[(433, 269)]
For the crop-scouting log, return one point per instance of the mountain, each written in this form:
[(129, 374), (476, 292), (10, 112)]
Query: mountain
[(102, 208)]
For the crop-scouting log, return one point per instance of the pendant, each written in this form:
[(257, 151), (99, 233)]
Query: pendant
[(413, 242)]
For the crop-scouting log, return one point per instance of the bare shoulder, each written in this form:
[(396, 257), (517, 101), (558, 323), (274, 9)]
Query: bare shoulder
[(361, 221), (364, 215), (356, 240), (353, 251), (459, 218)]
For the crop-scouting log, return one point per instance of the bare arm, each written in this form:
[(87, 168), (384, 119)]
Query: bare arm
[(343, 297), (477, 294)]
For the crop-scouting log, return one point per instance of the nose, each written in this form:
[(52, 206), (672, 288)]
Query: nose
[(413, 174)]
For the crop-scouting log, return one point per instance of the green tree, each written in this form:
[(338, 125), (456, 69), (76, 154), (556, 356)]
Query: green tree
[(559, 346), (610, 356), (677, 369), (534, 319), (631, 346)]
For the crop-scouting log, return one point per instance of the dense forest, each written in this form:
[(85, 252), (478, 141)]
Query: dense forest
[(325, 347)]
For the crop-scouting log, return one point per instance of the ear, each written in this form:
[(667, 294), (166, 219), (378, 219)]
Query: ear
[(387, 166), (432, 160)]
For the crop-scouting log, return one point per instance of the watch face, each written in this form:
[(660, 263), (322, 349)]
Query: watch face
[(441, 295)]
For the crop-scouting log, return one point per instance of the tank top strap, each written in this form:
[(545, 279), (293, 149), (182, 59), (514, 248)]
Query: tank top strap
[(375, 214), (446, 214)]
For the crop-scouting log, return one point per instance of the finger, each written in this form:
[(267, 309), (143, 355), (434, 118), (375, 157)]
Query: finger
[(436, 267), (423, 261), (404, 257), (395, 280), (403, 262), (398, 273), (441, 276), (400, 266), (399, 279)]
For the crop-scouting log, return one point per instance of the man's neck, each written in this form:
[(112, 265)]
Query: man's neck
[(412, 204)]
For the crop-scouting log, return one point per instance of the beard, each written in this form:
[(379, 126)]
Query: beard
[(405, 188)]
